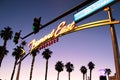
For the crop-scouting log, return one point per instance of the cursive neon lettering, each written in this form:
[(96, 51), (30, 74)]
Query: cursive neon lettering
[(32, 44), (67, 28), (52, 37), (60, 26)]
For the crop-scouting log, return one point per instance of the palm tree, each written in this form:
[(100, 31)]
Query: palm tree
[(83, 70), (3, 52), (108, 72), (69, 68), (16, 53), (22, 54), (23, 43), (5, 34), (46, 54), (33, 53), (59, 67), (91, 66)]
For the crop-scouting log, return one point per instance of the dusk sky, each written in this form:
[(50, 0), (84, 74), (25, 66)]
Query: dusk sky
[(79, 48)]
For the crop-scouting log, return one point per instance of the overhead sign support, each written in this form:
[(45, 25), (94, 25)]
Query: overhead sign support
[(115, 45), (64, 29)]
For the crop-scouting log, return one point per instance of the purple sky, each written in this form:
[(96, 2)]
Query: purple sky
[(79, 48)]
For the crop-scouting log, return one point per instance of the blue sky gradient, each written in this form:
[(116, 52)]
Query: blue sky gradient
[(79, 47)]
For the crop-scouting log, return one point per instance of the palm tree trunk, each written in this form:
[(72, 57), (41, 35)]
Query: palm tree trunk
[(86, 76), (46, 69), (1, 58), (33, 60), (83, 76), (2, 54), (18, 72), (108, 77), (90, 74), (14, 69), (58, 76), (69, 75), (5, 43)]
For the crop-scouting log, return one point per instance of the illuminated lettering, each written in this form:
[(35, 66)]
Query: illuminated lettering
[(67, 28), (52, 33), (52, 37), (60, 26), (32, 44)]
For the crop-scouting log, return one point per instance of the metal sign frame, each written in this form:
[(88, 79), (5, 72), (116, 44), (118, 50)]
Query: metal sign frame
[(92, 9)]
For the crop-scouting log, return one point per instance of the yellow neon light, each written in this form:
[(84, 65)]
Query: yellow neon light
[(61, 29), (92, 25), (81, 27), (64, 29), (23, 52)]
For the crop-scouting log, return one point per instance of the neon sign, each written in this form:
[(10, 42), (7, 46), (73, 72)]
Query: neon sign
[(64, 29), (91, 9), (52, 37)]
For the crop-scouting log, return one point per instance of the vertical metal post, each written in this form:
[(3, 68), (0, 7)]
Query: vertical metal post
[(115, 45)]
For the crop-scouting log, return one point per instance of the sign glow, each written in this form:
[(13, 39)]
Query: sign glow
[(64, 29), (91, 9), (52, 37)]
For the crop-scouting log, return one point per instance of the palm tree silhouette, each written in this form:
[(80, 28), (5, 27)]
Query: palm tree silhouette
[(69, 68), (83, 70), (16, 53), (59, 67), (5, 34), (91, 66), (23, 43), (33, 53), (46, 54), (19, 66), (108, 72), (3, 51)]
